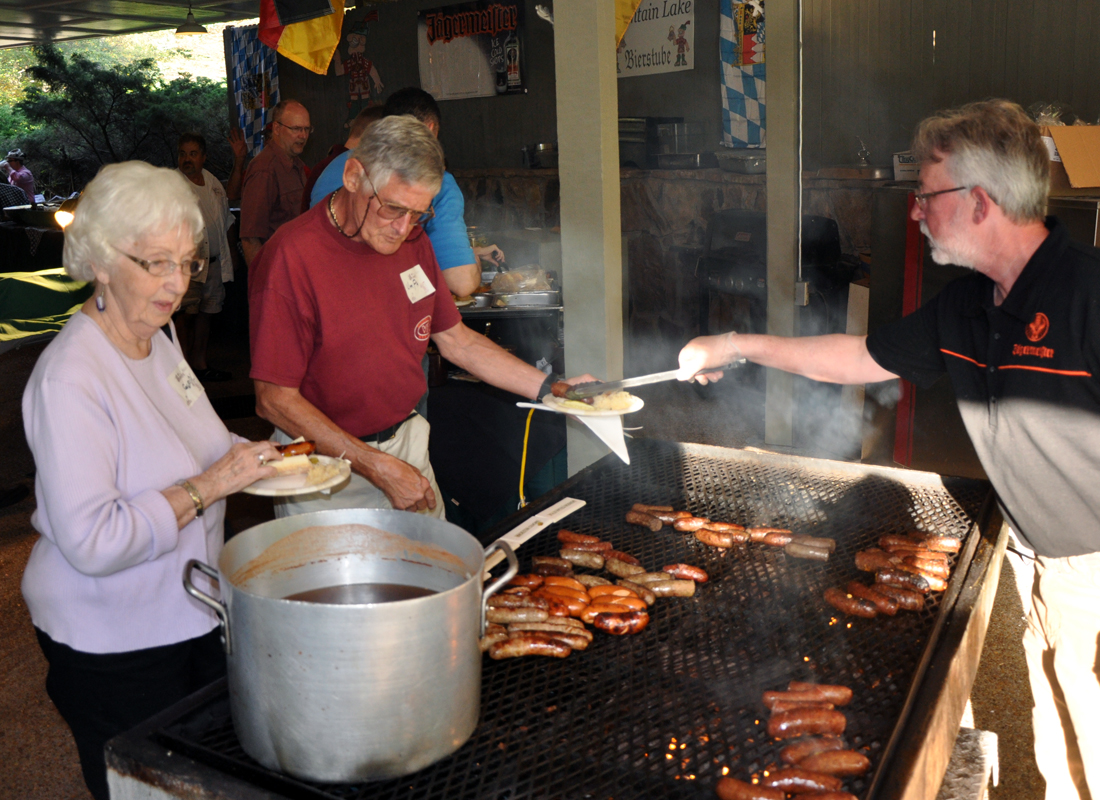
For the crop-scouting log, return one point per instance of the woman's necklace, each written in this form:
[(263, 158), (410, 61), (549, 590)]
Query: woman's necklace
[(336, 222)]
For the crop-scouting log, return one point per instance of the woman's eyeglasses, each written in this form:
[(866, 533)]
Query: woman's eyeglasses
[(162, 269)]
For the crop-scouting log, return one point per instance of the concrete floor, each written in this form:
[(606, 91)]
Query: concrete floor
[(38, 759)]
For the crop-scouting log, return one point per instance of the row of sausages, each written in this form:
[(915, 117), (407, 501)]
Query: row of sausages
[(906, 568), (727, 534), (817, 760)]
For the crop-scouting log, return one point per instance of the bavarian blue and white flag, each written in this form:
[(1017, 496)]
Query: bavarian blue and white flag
[(741, 45), (254, 76)]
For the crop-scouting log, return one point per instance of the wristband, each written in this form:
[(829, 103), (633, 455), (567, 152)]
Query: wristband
[(196, 498), (549, 381)]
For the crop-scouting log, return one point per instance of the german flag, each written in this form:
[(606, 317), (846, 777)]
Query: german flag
[(305, 31)]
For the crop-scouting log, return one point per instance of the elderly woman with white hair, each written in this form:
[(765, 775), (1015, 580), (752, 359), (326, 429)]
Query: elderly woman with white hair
[(133, 468)]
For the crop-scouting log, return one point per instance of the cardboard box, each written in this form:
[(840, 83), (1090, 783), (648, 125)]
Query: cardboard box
[(906, 167), (1074, 160)]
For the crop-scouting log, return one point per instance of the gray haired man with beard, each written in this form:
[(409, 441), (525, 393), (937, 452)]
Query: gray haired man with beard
[(1020, 341)]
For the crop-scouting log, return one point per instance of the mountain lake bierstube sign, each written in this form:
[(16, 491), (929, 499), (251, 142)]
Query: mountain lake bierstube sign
[(660, 38)]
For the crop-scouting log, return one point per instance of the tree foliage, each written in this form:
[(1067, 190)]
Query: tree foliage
[(81, 114)]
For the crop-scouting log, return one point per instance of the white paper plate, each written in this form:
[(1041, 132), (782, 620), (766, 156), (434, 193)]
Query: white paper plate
[(555, 404), (290, 485)]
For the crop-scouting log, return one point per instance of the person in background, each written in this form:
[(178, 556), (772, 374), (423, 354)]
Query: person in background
[(1020, 341), (19, 175), (358, 125), (447, 229), (205, 298), (132, 470), (342, 304), (276, 178), (11, 196)]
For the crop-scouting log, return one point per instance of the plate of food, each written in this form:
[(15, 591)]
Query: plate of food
[(609, 404), (302, 473)]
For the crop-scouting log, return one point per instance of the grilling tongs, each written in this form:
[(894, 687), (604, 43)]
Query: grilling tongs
[(583, 390)]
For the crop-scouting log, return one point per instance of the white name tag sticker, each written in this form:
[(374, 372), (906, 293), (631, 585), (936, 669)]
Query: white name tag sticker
[(186, 384), (417, 285)]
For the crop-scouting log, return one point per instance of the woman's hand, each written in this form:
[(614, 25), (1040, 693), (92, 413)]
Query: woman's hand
[(243, 465)]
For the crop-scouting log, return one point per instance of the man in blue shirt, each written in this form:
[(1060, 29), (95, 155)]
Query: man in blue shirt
[(447, 229)]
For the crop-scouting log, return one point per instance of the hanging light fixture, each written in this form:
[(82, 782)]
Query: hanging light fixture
[(189, 25)]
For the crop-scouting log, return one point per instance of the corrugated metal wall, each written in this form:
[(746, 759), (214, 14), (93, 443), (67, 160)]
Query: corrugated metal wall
[(874, 68)]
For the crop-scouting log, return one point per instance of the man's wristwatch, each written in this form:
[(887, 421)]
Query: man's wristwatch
[(549, 381)]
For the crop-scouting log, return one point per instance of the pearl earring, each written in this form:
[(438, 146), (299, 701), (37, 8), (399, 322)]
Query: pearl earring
[(100, 300)]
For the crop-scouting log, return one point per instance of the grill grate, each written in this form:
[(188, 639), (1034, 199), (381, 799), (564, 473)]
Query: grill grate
[(663, 713)]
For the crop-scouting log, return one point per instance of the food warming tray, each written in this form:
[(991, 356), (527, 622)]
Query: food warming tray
[(664, 714)]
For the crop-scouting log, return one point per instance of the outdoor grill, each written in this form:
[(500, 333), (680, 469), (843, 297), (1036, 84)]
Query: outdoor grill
[(667, 712)]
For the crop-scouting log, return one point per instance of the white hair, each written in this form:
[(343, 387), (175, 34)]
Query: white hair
[(123, 204), (401, 145)]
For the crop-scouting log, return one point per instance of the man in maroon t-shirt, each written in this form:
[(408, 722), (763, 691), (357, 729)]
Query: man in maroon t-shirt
[(343, 302)]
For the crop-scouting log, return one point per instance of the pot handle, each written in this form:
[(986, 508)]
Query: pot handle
[(203, 597), (490, 590)]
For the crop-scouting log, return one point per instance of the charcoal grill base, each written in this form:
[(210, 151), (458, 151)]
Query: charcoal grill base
[(665, 713)]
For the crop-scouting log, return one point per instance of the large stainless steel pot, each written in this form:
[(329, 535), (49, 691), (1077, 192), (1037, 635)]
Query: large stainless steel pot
[(344, 693)]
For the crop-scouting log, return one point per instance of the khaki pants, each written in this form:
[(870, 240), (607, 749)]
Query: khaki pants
[(1061, 600), (410, 445)]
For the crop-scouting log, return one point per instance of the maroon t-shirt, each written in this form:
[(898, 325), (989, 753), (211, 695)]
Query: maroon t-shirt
[(341, 323), (271, 194)]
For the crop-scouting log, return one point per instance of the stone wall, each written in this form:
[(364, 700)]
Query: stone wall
[(665, 214)]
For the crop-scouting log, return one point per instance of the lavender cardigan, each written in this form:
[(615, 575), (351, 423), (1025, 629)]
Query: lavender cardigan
[(108, 433)]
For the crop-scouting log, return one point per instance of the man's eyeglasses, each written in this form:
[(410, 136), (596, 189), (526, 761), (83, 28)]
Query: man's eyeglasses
[(923, 198), (391, 212), (162, 269), (306, 129)]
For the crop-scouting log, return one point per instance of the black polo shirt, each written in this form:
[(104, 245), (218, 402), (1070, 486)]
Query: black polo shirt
[(1027, 378)]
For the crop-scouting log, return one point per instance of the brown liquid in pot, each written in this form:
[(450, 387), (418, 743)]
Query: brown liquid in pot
[(357, 593)]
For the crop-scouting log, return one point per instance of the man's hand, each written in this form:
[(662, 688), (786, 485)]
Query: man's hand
[(404, 486), (238, 144), (704, 352), (490, 253)]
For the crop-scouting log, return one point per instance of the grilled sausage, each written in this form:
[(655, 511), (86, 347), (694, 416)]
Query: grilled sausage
[(558, 610), (645, 578), (516, 601), (506, 615), (943, 544), (935, 583), (588, 581), (629, 603), (573, 606), (551, 560), (583, 559), (493, 634), (804, 748), (553, 592), (626, 558), (793, 699), (650, 509), (715, 538), (884, 603), (296, 449), (800, 550), (732, 789), (621, 624), (778, 538), (897, 540), (589, 547), (689, 524), (784, 705), (672, 588), (639, 590), (620, 568), (668, 517), (565, 623), (571, 537), (905, 580), (919, 552), (645, 520), (806, 722), (554, 569), (737, 536), (825, 692), (600, 606), (516, 590), (757, 534), (559, 388), (532, 581), (610, 590), (854, 606), (724, 527), (529, 644), (568, 583), (820, 542), (907, 598), (873, 560), (801, 781), (838, 762), (686, 572)]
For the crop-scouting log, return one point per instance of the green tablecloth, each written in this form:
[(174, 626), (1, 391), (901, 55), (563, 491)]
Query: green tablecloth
[(35, 305)]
